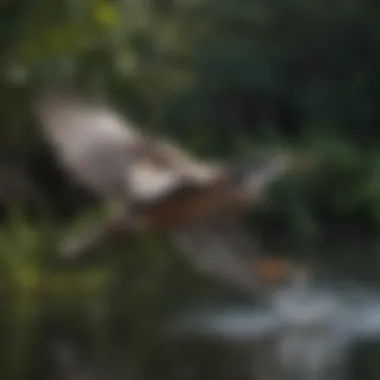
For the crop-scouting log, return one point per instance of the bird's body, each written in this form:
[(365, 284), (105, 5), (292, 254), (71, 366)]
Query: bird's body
[(193, 205), (158, 186)]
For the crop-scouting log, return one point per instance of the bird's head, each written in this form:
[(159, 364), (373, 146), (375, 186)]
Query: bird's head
[(254, 176)]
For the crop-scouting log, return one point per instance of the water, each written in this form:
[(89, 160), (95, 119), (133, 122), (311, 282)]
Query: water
[(311, 328), (80, 329)]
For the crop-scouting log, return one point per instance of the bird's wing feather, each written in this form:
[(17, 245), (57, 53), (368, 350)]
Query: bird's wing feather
[(91, 141), (223, 250), (109, 155)]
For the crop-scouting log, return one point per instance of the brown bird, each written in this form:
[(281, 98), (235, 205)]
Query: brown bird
[(154, 185)]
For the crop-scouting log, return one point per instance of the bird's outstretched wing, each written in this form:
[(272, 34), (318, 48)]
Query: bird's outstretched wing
[(108, 154), (223, 250)]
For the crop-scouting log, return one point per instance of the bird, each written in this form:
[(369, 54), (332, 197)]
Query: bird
[(153, 184)]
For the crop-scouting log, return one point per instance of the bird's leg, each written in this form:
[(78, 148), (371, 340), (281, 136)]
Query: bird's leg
[(121, 219)]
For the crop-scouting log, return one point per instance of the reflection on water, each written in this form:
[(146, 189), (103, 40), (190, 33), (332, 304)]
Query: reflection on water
[(310, 327)]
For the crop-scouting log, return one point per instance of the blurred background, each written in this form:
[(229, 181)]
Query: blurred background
[(222, 77)]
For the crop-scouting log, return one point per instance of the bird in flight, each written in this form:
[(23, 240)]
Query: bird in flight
[(154, 185)]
